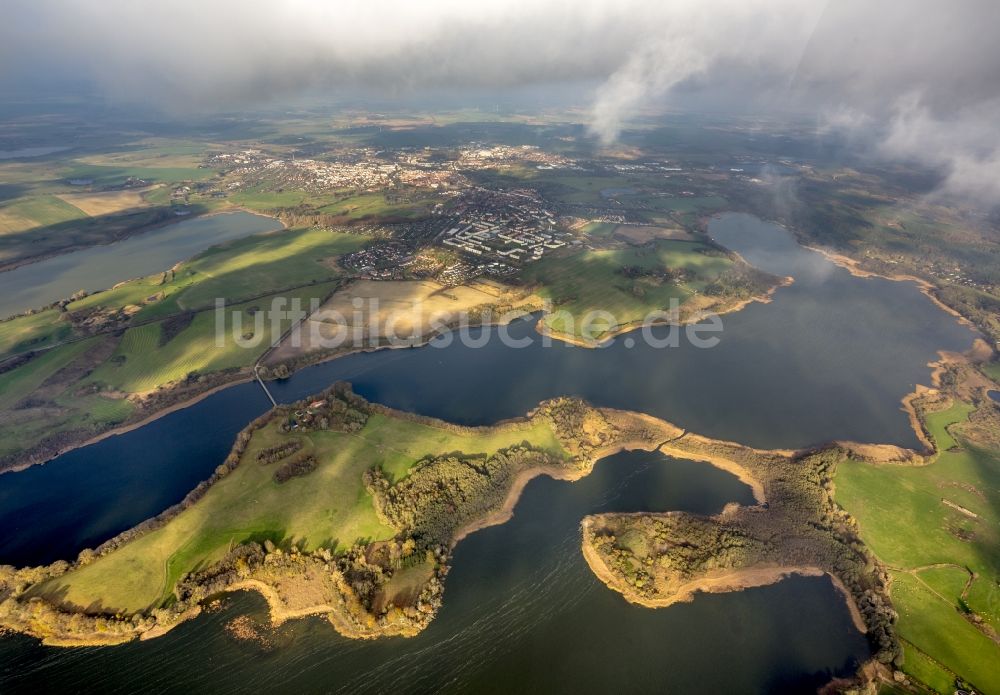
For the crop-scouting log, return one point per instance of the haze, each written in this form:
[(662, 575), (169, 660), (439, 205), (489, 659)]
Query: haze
[(923, 77)]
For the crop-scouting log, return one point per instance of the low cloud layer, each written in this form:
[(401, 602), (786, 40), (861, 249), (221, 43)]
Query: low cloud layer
[(927, 73)]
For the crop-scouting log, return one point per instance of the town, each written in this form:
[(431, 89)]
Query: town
[(504, 226)]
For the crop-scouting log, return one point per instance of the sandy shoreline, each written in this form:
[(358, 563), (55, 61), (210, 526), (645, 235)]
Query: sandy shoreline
[(653, 434), (727, 465), (521, 480), (249, 377), (277, 608), (926, 288), (842, 261), (633, 326), (718, 582)]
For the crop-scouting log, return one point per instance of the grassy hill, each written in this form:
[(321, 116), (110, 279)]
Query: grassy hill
[(156, 331)]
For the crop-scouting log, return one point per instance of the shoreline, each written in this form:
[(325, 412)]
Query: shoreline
[(31, 260), (249, 377), (243, 378), (906, 401), (728, 465), (837, 259), (646, 437), (718, 583), (979, 351), (632, 326), (646, 433), (139, 232), (926, 287), (278, 612), (126, 428), (852, 265), (521, 480)]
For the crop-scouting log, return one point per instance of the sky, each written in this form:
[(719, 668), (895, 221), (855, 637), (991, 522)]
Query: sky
[(924, 75)]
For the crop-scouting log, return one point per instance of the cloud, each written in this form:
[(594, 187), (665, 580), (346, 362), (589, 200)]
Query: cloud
[(925, 72), (964, 146)]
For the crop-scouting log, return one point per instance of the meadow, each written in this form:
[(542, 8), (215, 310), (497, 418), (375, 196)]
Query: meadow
[(328, 508), (992, 370), (45, 213), (144, 360), (169, 332), (33, 331), (936, 527), (237, 270), (597, 280)]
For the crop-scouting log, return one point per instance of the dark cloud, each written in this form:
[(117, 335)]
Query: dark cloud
[(926, 72)]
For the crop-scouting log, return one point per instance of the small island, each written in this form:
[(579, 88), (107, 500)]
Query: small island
[(904, 535), (658, 559)]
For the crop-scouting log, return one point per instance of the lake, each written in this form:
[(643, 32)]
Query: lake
[(29, 152), (99, 267), (829, 358), (522, 611)]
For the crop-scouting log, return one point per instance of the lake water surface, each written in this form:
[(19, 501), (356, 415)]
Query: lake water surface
[(522, 613), (100, 267), (829, 358), (28, 152)]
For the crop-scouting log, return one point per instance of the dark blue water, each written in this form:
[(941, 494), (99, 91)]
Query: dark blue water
[(829, 358), (522, 613)]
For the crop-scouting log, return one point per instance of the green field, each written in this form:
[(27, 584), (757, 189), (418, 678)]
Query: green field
[(933, 547), (38, 211), (580, 189), (992, 370), (593, 280), (33, 331), (265, 200), (375, 204), (237, 270), (682, 204), (329, 508), (113, 175), (295, 265), (141, 363), (21, 382), (599, 230), (62, 409)]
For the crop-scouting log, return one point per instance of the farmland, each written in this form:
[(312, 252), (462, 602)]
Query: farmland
[(935, 526), (628, 283), (144, 361), (72, 199), (169, 337)]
